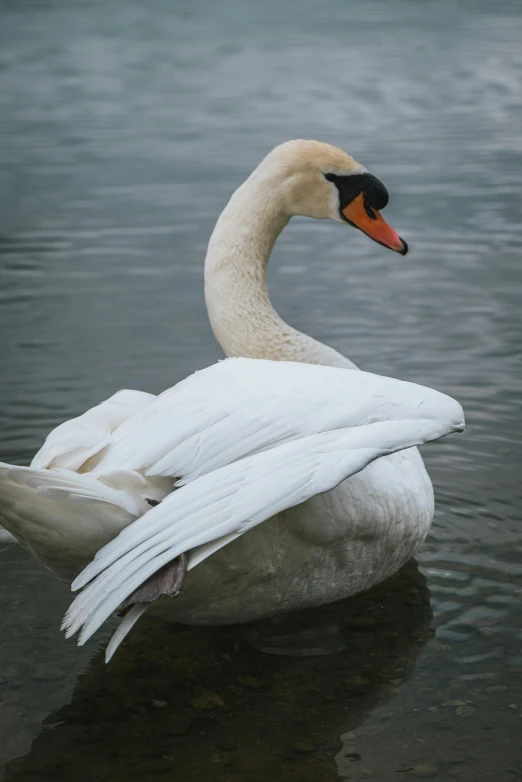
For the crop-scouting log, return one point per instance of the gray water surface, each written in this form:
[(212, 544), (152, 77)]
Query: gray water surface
[(124, 127)]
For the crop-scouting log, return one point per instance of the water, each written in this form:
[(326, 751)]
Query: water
[(124, 126)]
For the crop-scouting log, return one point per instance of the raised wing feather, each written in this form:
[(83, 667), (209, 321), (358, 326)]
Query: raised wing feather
[(72, 443), (232, 499), (241, 407)]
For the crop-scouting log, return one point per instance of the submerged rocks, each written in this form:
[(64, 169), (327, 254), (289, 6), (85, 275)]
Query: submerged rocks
[(206, 699), (465, 711)]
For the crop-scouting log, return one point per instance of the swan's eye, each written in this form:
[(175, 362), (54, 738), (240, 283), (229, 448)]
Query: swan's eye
[(367, 208), (351, 185), (361, 196)]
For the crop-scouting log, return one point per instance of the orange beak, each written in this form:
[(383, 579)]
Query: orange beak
[(370, 222)]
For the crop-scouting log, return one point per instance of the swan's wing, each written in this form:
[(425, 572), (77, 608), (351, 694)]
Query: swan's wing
[(240, 407), (229, 501), (72, 443)]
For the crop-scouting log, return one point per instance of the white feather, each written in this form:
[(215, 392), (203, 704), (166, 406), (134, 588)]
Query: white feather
[(237, 497), (244, 439), (62, 517), (72, 443), (242, 406), (124, 629)]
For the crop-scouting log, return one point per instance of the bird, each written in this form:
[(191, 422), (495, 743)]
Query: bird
[(281, 477)]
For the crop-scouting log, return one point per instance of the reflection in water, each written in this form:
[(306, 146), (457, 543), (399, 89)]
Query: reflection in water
[(201, 703)]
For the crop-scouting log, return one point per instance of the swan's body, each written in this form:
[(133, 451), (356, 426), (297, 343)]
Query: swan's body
[(240, 443)]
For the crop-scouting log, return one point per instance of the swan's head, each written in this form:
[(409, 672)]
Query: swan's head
[(318, 180)]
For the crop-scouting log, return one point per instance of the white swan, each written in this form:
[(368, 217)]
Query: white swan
[(283, 451)]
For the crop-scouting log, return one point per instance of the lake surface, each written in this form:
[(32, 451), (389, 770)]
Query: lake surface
[(124, 127)]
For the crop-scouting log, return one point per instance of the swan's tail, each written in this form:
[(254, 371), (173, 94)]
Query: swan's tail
[(60, 517)]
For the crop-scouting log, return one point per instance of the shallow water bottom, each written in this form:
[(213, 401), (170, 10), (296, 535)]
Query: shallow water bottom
[(331, 692)]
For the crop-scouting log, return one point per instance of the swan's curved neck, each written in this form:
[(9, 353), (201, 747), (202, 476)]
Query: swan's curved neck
[(241, 315)]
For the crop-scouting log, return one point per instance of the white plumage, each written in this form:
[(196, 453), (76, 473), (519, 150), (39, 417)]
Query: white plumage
[(267, 473), (72, 443), (244, 440)]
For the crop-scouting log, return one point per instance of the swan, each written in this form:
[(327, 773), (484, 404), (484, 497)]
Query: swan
[(279, 478)]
